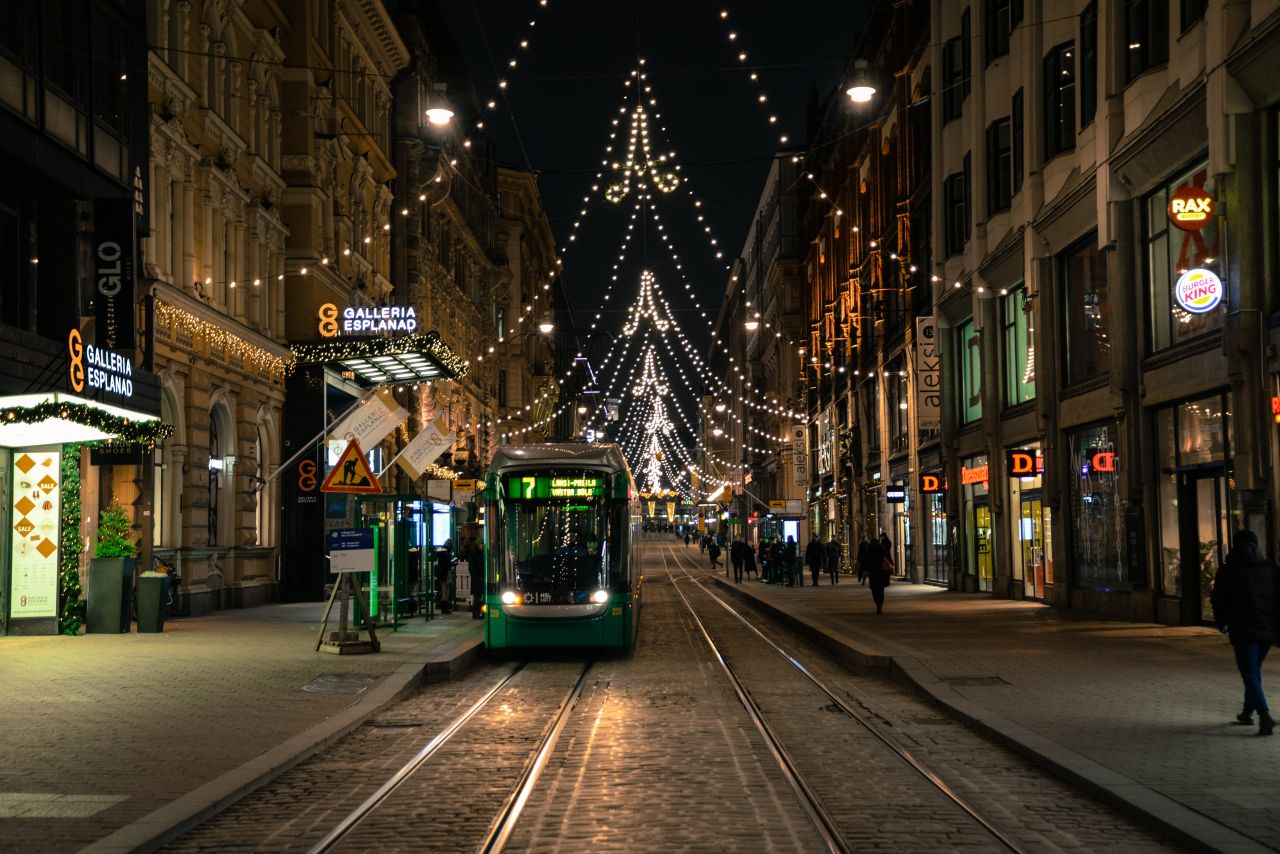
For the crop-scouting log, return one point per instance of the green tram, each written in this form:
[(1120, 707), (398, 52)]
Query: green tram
[(561, 528)]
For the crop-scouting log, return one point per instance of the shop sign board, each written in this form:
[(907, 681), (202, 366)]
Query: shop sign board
[(464, 486), (1023, 463), (33, 576), (895, 494), (369, 423), (975, 475), (931, 484), (1190, 208), (1198, 291), (777, 505), (1275, 409), (351, 550), (113, 266), (95, 369), (364, 320), (431, 441), (928, 375)]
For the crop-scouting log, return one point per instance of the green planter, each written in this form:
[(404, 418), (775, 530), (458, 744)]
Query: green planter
[(109, 595), (152, 592)]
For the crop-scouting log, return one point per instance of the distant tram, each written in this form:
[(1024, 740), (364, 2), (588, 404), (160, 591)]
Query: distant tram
[(561, 529)]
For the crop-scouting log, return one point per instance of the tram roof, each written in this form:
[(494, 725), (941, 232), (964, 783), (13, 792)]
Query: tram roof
[(602, 455)]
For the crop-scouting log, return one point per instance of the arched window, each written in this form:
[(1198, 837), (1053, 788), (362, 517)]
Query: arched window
[(263, 491), (166, 525), (215, 477)]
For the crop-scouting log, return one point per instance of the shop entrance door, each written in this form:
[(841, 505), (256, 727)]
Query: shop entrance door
[(1031, 543), (1202, 529), (982, 544)]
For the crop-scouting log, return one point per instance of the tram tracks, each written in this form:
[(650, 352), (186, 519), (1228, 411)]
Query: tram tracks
[(828, 825), (500, 828)]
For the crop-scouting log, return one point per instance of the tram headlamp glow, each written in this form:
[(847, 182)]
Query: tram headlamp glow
[(510, 597), (600, 597)]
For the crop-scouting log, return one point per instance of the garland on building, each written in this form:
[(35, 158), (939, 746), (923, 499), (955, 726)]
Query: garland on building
[(71, 594), (225, 339), (123, 430), (367, 348)]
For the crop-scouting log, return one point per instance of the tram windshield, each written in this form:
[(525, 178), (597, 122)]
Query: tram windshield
[(557, 527)]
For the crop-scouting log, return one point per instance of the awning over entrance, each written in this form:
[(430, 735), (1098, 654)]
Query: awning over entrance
[(407, 359), (54, 418)]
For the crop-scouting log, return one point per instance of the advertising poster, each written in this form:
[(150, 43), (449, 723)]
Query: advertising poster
[(34, 557)]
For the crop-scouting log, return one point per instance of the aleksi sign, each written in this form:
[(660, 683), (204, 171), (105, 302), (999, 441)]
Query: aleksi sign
[(98, 369), (1190, 208), (366, 320), (1198, 291)]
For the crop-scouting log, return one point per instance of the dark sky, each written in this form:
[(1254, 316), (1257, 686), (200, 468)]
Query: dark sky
[(568, 87)]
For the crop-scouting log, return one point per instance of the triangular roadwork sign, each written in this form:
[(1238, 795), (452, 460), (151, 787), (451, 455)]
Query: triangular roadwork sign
[(351, 473)]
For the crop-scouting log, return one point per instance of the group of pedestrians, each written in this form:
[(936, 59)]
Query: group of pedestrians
[(875, 566)]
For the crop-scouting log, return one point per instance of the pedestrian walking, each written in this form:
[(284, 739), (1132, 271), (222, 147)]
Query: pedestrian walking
[(877, 573), (702, 544), (1246, 607), (737, 556), (713, 551), (766, 564), (862, 560), (444, 576), (687, 538), (833, 559), (789, 561), (815, 554), (749, 556), (886, 546)]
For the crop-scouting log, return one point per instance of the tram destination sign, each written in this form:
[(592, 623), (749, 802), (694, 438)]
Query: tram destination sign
[(548, 486)]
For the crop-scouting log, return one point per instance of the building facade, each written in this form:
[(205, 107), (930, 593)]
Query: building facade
[(1103, 249), (868, 374), (213, 259)]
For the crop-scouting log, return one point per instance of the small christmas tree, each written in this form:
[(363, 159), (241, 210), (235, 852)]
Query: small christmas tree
[(115, 534)]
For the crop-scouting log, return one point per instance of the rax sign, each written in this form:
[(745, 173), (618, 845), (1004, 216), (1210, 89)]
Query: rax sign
[(1024, 464), (1190, 208)]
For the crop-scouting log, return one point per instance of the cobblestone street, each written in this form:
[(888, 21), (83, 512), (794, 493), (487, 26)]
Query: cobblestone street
[(658, 754)]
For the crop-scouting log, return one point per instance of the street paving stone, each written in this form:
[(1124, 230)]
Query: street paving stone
[(1151, 702), (140, 720)]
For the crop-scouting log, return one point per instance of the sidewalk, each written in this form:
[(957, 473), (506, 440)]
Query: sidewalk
[(1139, 713), (146, 732)]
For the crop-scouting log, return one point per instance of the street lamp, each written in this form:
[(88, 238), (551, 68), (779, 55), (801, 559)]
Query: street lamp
[(545, 327), (439, 116), (752, 325), (861, 88)]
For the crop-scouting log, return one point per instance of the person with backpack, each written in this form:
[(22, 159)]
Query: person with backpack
[(876, 569)]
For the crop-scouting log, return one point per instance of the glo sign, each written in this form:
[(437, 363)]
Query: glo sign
[(1198, 291)]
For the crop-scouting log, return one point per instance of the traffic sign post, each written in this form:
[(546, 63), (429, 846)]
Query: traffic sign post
[(350, 551)]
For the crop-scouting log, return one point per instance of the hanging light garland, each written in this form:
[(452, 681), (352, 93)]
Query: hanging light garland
[(207, 332), (124, 431)]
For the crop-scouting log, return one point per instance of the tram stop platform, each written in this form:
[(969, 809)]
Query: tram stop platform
[(116, 742), (1140, 714)]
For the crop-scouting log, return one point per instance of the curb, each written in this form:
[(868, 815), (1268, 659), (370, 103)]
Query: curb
[(1176, 821), (437, 664)]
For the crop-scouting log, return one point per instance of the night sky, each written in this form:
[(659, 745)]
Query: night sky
[(568, 86)]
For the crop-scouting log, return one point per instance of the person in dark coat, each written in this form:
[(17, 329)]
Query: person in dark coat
[(749, 561), (861, 559), (886, 547), (737, 556), (876, 572), (789, 555), (687, 538), (815, 554), (832, 559), (444, 576), (713, 551), (1246, 607)]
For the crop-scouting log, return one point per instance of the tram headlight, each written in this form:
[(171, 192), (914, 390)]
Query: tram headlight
[(600, 597), (510, 597)]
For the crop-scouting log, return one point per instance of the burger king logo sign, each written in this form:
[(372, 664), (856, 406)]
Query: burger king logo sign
[(1198, 291)]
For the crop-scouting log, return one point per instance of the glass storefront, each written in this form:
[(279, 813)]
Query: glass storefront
[(1097, 521), (937, 550), (1194, 446), (979, 536), (1171, 252), (1030, 522)]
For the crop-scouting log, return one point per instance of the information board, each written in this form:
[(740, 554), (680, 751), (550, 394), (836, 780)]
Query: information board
[(33, 583), (351, 550)]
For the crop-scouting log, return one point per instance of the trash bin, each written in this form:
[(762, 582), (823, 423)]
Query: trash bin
[(109, 595), (152, 592)]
